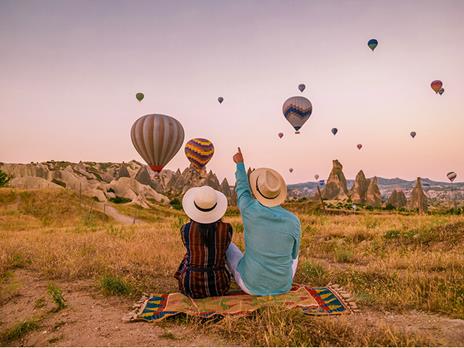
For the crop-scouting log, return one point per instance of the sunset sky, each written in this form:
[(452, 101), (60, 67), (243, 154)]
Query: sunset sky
[(70, 71)]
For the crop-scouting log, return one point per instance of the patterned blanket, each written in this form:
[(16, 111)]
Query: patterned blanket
[(329, 300)]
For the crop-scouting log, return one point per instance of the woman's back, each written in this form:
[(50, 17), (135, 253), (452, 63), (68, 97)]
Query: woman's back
[(202, 272)]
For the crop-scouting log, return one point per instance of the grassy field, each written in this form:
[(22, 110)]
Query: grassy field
[(393, 264)]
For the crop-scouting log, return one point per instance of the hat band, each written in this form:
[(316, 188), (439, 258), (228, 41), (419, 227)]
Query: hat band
[(204, 210), (262, 194)]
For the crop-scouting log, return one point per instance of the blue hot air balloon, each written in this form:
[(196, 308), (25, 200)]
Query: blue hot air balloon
[(372, 43)]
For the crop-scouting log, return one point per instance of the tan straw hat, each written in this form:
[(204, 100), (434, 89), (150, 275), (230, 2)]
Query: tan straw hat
[(268, 186), (204, 204)]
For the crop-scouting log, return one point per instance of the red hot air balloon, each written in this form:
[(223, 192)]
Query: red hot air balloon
[(359, 146), (436, 85), (280, 135), (291, 170), (413, 134)]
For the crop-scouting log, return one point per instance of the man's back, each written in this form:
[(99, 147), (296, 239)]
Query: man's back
[(272, 240)]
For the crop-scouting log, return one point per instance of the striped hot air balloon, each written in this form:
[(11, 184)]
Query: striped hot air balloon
[(451, 176), (157, 138), (199, 152), (297, 111)]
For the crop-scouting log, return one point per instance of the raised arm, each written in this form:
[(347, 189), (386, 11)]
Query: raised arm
[(242, 188)]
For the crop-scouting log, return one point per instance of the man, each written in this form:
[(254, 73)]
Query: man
[(272, 233)]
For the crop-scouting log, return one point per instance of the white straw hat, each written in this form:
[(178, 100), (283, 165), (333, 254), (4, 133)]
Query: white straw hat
[(268, 186), (204, 204)]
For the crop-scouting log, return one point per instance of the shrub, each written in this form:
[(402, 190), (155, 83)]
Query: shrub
[(176, 203), (113, 285), (18, 331), (343, 255), (57, 296), (119, 200), (4, 178)]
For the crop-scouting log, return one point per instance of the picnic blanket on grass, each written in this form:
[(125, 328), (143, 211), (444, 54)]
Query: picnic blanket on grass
[(329, 300)]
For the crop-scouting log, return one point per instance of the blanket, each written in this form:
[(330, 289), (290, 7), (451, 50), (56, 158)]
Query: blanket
[(328, 300)]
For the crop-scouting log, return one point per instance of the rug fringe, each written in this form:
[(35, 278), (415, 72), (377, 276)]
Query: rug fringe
[(137, 309), (347, 297)]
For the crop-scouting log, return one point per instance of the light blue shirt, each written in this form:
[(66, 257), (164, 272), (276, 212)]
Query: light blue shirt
[(272, 242)]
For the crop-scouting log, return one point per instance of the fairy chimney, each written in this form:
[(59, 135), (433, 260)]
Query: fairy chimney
[(397, 199), (373, 196), (335, 188), (359, 189), (418, 198)]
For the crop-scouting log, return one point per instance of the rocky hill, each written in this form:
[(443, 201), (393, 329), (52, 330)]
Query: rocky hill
[(336, 186), (126, 182)]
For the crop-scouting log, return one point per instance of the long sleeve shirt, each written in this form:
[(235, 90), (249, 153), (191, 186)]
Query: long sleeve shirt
[(272, 242)]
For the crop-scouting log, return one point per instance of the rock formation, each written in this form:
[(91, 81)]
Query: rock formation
[(359, 190), (335, 187), (143, 176), (373, 196), (418, 198), (397, 199), (123, 172), (104, 181)]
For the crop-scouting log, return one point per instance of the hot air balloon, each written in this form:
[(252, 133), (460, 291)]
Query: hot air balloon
[(441, 91), (359, 146), (436, 85), (372, 43), (451, 176), (316, 176), (280, 135), (291, 170), (157, 138), (199, 152), (297, 111), (139, 96), (334, 131), (301, 87), (413, 134), (220, 100)]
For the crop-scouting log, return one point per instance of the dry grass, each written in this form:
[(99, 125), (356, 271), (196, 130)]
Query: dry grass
[(389, 261)]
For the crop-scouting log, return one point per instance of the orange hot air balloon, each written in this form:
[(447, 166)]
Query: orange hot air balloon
[(436, 85)]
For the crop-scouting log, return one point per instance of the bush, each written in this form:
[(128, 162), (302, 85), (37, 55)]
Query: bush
[(390, 207), (57, 296), (176, 203), (119, 200), (113, 285), (4, 178)]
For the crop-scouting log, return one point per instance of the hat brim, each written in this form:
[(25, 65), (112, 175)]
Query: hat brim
[(203, 217), (263, 200)]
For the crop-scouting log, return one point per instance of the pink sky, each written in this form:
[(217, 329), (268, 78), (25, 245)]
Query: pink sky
[(70, 71)]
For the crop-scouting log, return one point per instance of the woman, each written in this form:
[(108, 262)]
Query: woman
[(202, 272)]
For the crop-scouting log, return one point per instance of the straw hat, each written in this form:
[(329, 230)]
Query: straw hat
[(204, 204), (268, 186)]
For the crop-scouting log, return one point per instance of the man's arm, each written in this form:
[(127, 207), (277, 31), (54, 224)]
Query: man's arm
[(242, 188)]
